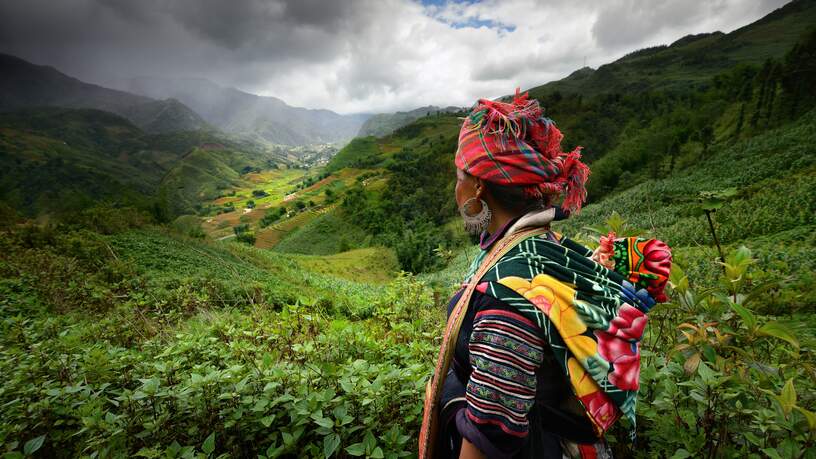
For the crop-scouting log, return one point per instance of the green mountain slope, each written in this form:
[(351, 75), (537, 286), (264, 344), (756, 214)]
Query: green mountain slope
[(383, 124), (25, 85), (56, 159)]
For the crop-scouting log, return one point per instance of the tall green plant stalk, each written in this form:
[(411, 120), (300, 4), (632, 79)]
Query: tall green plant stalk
[(714, 235), (711, 201)]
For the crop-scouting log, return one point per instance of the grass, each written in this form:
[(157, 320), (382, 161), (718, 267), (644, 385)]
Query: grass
[(357, 153), (367, 265), (326, 234)]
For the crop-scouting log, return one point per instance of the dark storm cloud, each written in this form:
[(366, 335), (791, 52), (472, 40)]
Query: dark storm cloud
[(267, 30), (164, 36)]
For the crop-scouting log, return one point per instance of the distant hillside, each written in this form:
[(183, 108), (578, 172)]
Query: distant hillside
[(268, 118), (385, 123), (694, 59), (25, 85), (56, 159)]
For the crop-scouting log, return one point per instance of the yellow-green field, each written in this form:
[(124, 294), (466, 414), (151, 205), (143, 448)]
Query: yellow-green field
[(279, 185), (372, 264)]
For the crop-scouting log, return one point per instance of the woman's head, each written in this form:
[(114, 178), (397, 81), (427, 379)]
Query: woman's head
[(513, 199), (512, 154), (479, 200)]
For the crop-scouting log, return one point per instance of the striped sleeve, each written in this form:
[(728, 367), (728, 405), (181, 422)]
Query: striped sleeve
[(505, 352)]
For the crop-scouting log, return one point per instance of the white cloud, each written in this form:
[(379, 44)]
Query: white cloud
[(355, 56)]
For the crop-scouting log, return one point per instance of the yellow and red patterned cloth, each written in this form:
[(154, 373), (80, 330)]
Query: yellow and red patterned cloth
[(593, 317)]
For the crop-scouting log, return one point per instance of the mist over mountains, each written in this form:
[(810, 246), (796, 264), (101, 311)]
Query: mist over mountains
[(264, 118), (158, 105), (383, 124), (25, 85)]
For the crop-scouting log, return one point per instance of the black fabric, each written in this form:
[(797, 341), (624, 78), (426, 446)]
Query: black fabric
[(556, 413)]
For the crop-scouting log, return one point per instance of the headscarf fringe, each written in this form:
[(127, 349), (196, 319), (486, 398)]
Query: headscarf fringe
[(521, 124)]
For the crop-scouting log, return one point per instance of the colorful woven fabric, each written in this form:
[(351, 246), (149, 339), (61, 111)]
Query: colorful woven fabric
[(505, 352), (514, 144), (593, 317)]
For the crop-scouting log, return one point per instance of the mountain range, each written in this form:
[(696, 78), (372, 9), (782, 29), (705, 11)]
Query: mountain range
[(383, 124), (158, 105), (26, 85), (260, 117)]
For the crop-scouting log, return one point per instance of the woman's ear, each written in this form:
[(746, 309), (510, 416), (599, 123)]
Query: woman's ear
[(479, 186)]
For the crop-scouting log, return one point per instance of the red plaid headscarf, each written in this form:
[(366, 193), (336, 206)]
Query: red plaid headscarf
[(514, 144)]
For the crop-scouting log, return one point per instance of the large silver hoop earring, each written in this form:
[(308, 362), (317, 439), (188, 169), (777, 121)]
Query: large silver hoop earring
[(477, 223)]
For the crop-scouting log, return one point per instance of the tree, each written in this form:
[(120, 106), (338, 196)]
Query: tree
[(706, 137)]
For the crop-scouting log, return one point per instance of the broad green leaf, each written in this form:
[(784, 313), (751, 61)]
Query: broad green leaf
[(324, 422), (712, 204), (369, 441), (752, 438), (678, 278), (209, 444), (330, 444), (809, 415), (772, 453), (267, 420), (788, 397), (33, 445), (357, 449), (748, 317), (709, 353), (706, 373), (681, 454), (377, 453), (274, 451), (779, 330)]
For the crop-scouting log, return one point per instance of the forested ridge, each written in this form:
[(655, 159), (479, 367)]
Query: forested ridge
[(195, 294)]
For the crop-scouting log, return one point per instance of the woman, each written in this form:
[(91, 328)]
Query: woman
[(540, 354)]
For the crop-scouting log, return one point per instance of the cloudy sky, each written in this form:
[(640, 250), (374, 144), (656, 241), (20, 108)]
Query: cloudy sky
[(354, 56)]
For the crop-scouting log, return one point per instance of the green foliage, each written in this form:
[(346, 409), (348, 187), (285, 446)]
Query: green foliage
[(59, 161), (272, 215), (360, 152), (722, 384), (409, 214), (176, 347), (243, 234), (329, 233)]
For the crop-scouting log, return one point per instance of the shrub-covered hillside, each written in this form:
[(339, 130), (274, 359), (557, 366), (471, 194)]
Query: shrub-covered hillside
[(56, 160), (120, 338)]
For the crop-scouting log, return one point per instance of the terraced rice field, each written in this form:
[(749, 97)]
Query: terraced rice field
[(269, 237)]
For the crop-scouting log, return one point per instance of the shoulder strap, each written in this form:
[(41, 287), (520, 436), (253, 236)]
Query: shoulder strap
[(433, 391)]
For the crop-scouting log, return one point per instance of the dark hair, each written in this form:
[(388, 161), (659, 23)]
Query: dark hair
[(515, 198)]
